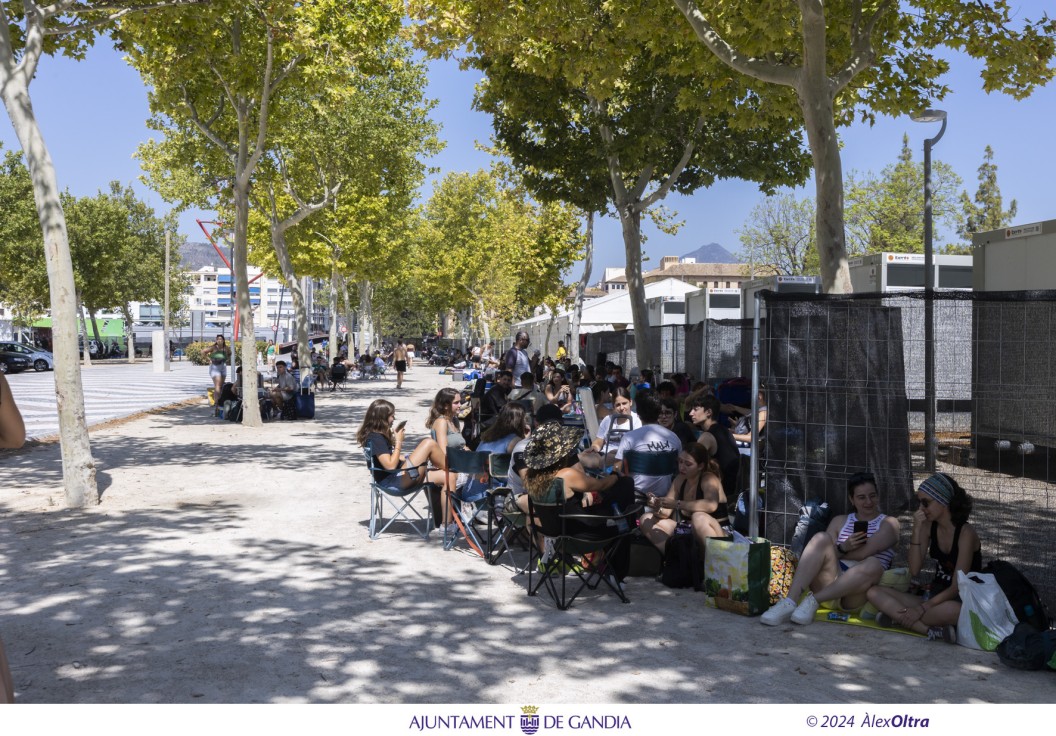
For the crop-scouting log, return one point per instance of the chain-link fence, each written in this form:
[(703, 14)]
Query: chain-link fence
[(846, 392)]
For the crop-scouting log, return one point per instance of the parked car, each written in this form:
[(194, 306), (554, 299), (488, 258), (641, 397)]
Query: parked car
[(13, 362), (41, 360)]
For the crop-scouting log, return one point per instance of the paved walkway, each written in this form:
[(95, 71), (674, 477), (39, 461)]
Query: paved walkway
[(111, 391), (232, 565)]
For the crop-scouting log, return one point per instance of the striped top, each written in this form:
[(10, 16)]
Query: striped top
[(885, 556)]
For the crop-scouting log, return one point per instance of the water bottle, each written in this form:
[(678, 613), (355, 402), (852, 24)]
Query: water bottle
[(838, 616), (621, 523)]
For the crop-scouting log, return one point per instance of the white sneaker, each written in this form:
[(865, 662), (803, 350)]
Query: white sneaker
[(778, 613), (804, 613)]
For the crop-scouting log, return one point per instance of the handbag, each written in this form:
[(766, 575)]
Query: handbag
[(783, 563), (986, 615), (737, 574)]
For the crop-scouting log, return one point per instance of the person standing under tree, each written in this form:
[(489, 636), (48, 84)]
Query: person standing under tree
[(516, 359), (219, 355), (399, 362)]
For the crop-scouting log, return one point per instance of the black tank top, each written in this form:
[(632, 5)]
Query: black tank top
[(727, 456), (721, 513), (947, 561)]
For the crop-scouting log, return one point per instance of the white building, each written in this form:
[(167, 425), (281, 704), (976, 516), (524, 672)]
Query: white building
[(612, 312)]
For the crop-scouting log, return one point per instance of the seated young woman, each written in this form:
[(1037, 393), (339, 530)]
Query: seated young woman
[(510, 427), (844, 561), (941, 527), (551, 454), (696, 494), (386, 446), (558, 392)]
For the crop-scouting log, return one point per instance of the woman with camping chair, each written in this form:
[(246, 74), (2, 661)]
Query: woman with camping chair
[(551, 454), (386, 444)]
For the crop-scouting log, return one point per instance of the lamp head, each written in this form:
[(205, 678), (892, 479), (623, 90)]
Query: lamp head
[(929, 116)]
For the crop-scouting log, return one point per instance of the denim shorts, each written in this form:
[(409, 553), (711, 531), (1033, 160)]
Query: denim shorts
[(217, 370), (394, 481)]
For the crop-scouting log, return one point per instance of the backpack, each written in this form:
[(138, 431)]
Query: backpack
[(1026, 648), (1020, 593), (813, 518), (682, 566), (233, 411)]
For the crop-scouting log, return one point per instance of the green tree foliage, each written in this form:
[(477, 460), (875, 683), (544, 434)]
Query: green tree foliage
[(583, 89), (828, 63), (985, 211), (484, 249), (779, 235), (23, 272), (886, 212), (226, 79)]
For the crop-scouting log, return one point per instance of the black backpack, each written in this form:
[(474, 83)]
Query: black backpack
[(1020, 593), (682, 566), (1026, 648)]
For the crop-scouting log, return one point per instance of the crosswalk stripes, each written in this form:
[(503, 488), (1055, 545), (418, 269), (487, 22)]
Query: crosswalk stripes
[(111, 391)]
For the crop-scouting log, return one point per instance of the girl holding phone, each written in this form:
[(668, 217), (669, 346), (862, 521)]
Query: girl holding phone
[(843, 562), (386, 444)]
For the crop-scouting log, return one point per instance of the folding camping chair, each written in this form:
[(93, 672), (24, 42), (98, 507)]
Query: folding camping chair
[(506, 522), (465, 501), (574, 534), (400, 500)]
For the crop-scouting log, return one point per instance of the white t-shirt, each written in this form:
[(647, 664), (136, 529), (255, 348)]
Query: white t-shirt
[(606, 427), (650, 438)]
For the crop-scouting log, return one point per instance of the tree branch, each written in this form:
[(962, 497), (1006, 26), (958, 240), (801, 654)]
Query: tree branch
[(113, 12), (687, 154), (862, 54), (764, 71), (204, 127)]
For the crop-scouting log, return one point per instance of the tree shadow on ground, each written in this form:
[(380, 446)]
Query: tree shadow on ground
[(183, 605)]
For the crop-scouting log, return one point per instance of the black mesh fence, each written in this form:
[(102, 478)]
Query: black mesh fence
[(845, 383)]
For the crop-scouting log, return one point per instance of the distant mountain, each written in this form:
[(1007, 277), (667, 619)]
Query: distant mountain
[(712, 253), (194, 256)]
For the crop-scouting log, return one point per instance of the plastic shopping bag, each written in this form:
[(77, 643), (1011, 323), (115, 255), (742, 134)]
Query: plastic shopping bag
[(737, 574), (986, 615)]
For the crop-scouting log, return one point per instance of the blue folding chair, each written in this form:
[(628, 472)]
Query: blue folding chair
[(399, 500)]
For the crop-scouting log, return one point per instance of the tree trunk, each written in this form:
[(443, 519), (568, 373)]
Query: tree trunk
[(581, 287), (366, 322), (78, 466), (814, 91), (300, 313), (82, 332), (347, 307), (549, 330), (95, 329), (484, 325), (631, 223), (130, 333), (334, 347), (250, 409)]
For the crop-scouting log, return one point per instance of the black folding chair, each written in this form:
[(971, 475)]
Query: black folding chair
[(506, 522), (399, 500), (573, 534), (658, 464), (461, 507)]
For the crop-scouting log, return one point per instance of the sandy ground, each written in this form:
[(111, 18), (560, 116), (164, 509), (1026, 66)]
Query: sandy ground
[(229, 565)]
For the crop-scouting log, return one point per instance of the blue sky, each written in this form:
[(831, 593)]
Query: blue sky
[(93, 114)]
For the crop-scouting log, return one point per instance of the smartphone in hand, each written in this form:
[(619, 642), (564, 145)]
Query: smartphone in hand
[(403, 424), (861, 526)]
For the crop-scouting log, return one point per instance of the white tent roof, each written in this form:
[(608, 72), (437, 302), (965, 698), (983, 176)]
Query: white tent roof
[(601, 313)]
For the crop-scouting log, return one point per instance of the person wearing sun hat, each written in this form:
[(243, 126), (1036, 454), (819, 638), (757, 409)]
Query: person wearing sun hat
[(941, 526), (551, 453)]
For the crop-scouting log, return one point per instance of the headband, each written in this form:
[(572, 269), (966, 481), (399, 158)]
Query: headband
[(939, 488)]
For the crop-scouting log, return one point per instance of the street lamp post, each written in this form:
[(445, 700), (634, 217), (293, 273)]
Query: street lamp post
[(930, 446)]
